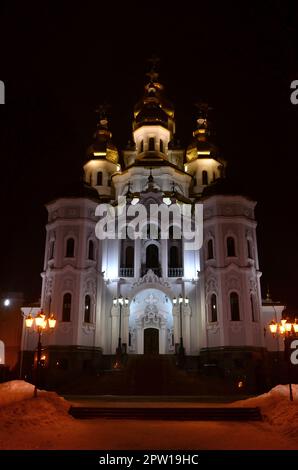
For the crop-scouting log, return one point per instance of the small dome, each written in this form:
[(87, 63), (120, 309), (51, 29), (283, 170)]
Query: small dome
[(77, 189), (151, 113), (102, 147), (224, 186), (153, 107)]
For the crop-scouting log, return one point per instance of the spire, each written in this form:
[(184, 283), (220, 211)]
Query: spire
[(268, 295), (102, 125), (203, 127), (153, 74), (102, 146), (154, 108)]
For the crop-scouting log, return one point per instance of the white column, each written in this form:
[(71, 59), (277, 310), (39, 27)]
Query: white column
[(125, 329), (115, 314), (137, 261), (176, 324), (140, 340), (186, 327), (163, 339), (164, 257)]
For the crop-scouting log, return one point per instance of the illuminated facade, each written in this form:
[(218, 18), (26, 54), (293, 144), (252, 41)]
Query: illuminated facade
[(221, 308)]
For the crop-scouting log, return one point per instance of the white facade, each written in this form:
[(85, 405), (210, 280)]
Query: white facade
[(82, 274)]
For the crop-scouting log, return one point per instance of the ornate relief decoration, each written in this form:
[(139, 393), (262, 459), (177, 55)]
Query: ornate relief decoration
[(232, 282), (48, 286), (88, 328), (211, 285), (151, 278), (71, 212), (253, 285), (213, 328)]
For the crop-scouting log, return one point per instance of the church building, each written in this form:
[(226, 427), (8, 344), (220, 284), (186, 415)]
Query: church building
[(149, 295)]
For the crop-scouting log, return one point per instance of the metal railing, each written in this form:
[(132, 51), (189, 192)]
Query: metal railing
[(127, 272), (175, 272)]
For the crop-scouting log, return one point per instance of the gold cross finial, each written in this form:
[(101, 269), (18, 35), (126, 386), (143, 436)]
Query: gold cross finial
[(153, 74)]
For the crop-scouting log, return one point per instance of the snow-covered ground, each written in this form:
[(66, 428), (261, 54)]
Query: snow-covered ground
[(44, 423)]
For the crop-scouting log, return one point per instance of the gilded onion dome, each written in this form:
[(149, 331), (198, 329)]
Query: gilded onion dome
[(103, 147)]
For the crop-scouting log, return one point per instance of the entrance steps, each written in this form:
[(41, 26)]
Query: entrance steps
[(173, 414), (147, 375)]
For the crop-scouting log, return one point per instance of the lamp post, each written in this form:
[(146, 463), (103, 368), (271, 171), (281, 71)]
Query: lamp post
[(40, 322), (288, 331), (120, 301), (181, 300)]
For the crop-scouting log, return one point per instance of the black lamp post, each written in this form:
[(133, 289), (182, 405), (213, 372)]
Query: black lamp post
[(181, 300), (120, 301), (40, 323), (288, 331)]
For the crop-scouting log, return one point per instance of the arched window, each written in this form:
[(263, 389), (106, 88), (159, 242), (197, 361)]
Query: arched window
[(213, 308), (87, 309), (174, 257), (66, 307), (129, 257), (99, 178), (204, 177), (231, 247), (234, 305), (153, 232), (252, 306), (161, 145), (152, 260), (52, 249), (91, 249), (2, 353), (174, 232), (210, 252), (249, 250), (142, 146), (70, 247), (151, 144)]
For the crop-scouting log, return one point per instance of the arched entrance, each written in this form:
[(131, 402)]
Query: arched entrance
[(151, 341), (151, 323), (152, 257)]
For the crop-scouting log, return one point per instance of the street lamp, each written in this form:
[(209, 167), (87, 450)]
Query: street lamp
[(40, 323), (288, 331), (181, 300), (120, 301)]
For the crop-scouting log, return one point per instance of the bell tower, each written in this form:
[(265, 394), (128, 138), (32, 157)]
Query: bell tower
[(101, 158), (202, 156)]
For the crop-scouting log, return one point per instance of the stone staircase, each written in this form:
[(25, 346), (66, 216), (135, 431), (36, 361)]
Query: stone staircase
[(147, 375), (168, 413)]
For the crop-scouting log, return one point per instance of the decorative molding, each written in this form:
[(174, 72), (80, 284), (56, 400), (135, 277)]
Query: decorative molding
[(211, 286), (151, 278), (88, 328)]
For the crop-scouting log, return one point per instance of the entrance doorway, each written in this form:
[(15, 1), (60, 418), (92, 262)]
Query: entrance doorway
[(151, 341)]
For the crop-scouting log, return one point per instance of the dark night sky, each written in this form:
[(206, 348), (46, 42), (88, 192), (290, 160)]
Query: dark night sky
[(58, 64)]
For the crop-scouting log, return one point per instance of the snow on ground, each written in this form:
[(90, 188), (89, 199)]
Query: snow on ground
[(277, 409), (44, 423)]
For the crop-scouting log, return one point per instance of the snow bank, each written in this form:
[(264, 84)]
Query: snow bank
[(14, 391), (17, 404), (277, 409)]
